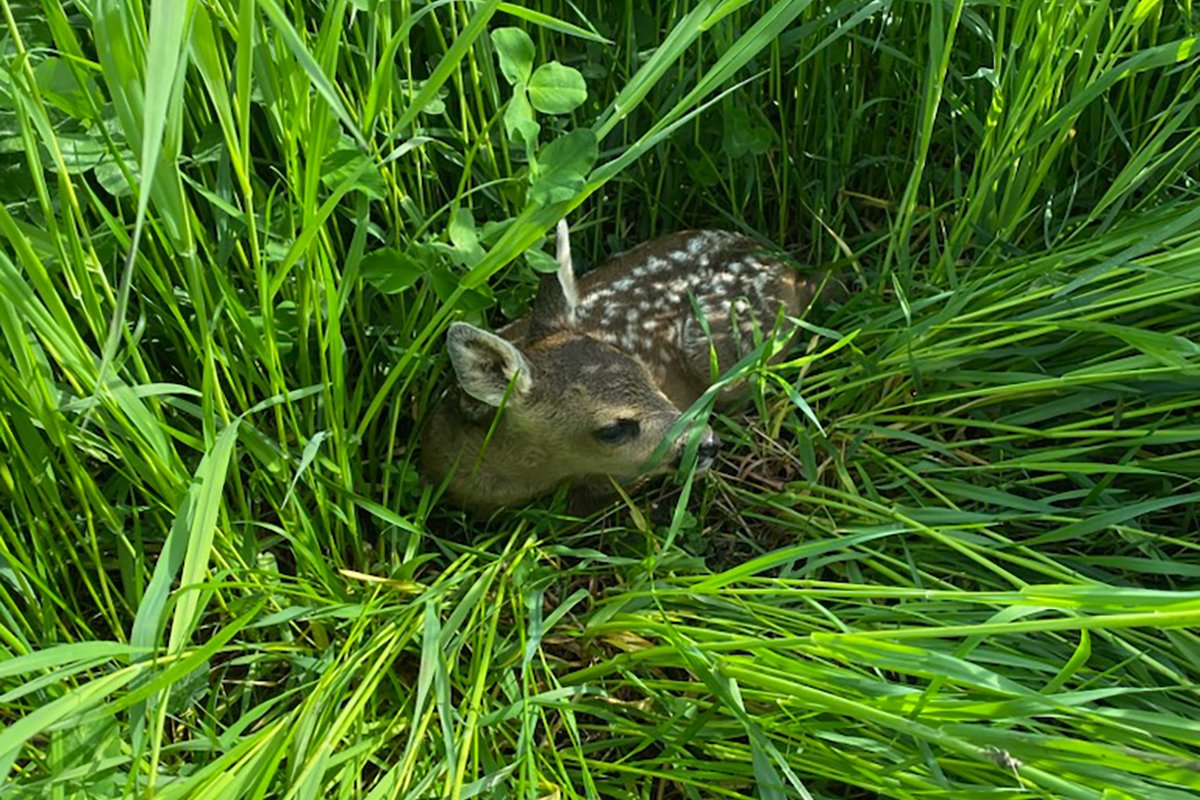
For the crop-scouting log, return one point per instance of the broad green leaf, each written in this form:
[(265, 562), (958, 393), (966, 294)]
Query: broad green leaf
[(541, 261), (110, 173), (81, 152), (391, 271), (348, 164), (563, 166), (515, 50), (742, 136), (556, 89), (519, 122), (59, 85), (465, 237), (448, 287)]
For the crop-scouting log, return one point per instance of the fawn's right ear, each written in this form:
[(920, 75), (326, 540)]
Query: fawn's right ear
[(486, 364), (554, 306)]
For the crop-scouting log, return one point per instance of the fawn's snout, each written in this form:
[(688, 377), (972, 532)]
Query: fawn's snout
[(706, 450)]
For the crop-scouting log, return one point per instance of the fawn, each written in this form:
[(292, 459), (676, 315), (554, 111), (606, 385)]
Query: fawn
[(588, 384)]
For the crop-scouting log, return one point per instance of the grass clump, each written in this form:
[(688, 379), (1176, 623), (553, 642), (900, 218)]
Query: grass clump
[(950, 552)]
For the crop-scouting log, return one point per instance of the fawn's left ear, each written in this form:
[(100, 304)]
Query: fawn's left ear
[(554, 306), (486, 364)]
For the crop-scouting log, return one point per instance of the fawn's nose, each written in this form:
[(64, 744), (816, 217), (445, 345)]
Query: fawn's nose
[(707, 452)]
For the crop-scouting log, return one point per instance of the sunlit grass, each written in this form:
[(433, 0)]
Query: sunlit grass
[(222, 301)]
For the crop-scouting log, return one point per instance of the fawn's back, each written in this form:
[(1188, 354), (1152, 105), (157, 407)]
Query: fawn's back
[(644, 302), (592, 380)]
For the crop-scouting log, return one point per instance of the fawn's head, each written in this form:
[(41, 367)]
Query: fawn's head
[(578, 405)]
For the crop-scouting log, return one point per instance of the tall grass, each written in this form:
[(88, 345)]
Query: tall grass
[(951, 550)]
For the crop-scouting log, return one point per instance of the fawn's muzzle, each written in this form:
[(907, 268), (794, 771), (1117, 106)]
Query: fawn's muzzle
[(706, 452)]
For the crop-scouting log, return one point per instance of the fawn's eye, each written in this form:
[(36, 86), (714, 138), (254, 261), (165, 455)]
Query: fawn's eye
[(623, 430)]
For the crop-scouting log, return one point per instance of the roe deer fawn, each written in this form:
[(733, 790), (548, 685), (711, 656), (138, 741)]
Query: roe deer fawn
[(599, 371)]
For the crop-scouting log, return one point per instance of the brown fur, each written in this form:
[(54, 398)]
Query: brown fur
[(628, 347)]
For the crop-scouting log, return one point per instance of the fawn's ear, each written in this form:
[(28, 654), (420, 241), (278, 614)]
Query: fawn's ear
[(486, 364), (554, 306)]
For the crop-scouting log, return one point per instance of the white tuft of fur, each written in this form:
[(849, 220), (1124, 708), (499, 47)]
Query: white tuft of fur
[(566, 270)]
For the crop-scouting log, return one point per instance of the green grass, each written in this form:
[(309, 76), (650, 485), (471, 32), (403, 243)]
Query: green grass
[(234, 233)]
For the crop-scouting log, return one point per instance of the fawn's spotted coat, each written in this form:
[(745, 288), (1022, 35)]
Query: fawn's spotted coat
[(600, 371)]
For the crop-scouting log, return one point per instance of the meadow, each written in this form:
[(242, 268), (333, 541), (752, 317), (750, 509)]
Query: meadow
[(949, 550)]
